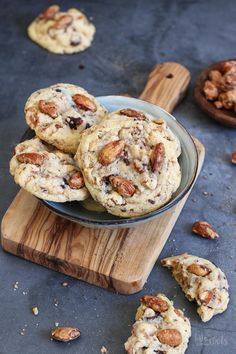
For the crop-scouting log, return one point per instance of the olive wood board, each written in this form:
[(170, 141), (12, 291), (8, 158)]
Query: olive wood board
[(118, 259)]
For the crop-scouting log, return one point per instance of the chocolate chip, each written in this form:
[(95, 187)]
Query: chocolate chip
[(87, 126), (153, 317), (105, 180), (124, 158), (151, 201), (74, 122), (169, 76), (75, 42), (81, 66), (58, 90)]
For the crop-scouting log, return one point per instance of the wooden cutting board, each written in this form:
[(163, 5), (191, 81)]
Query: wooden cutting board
[(118, 259)]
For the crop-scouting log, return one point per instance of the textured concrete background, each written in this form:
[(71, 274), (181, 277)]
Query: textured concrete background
[(131, 37)]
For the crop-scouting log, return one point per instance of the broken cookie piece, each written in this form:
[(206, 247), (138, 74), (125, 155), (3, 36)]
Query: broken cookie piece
[(202, 281), (159, 328)]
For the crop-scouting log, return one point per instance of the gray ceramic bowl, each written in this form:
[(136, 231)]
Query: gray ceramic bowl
[(188, 162)]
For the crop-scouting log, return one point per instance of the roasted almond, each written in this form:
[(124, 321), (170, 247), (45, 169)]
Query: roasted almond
[(155, 303), (179, 313), (32, 115), (198, 269), (33, 158), (63, 22), (85, 103), (132, 113), (205, 296), (76, 181), (48, 107), (139, 167), (233, 158), (171, 337), (122, 185), (50, 12), (65, 334), (111, 152), (204, 229), (157, 157)]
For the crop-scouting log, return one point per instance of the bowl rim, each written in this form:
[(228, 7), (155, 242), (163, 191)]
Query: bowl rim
[(141, 218)]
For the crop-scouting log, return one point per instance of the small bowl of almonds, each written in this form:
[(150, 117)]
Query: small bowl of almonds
[(215, 92)]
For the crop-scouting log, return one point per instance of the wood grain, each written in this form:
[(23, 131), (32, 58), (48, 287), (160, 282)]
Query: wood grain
[(167, 85), (119, 259), (223, 116)]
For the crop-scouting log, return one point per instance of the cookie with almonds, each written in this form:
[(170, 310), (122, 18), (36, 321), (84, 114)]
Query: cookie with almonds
[(59, 113), (159, 328), (46, 172), (130, 163), (201, 281), (62, 32)]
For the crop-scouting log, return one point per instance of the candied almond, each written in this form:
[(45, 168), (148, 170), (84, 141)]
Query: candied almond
[(210, 90), (233, 158), (157, 157), (111, 151), (198, 269), (63, 22), (132, 113), (48, 107), (228, 65), (138, 166), (171, 337), (215, 76), (50, 12), (33, 158), (32, 115), (84, 102), (218, 104), (205, 296), (65, 334), (204, 229), (122, 185), (154, 302), (76, 181)]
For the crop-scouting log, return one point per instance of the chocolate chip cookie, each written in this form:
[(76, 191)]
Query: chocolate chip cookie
[(130, 163), (47, 172), (62, 32), (159, 328), (59, 113), (202, 281)]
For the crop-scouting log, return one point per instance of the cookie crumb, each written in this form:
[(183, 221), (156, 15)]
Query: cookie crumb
[(56, 324), (104, 350), (65, 284), (15, 286), (35, 311)]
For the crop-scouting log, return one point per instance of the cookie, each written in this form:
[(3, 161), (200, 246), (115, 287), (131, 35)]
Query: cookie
[(59, 113), (47, 172), (202, 281), (62, 32), (130, 164), (159, 328)]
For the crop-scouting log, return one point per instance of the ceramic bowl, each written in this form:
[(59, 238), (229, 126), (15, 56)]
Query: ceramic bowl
[(188, 160)]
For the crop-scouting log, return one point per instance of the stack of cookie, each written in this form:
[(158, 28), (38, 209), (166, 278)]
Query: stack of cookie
[(127, 160)]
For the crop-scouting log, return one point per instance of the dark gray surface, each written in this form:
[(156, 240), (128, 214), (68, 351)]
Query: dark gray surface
[(131, 37)]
